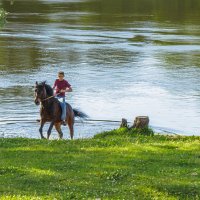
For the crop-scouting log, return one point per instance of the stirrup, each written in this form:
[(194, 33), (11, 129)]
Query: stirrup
[(63, 123)]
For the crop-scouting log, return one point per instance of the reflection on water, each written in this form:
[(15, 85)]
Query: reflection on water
[(124, 58)]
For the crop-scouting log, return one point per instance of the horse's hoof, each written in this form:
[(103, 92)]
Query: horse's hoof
[(43, 138)]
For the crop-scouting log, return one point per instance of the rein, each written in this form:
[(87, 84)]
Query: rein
[(49, 97)]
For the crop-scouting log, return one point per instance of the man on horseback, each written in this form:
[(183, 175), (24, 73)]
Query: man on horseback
[(62, 86)]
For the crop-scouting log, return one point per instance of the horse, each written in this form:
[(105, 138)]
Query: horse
[(50, 111)]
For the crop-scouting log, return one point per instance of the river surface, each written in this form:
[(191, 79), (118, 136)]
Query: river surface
[(123, 58)]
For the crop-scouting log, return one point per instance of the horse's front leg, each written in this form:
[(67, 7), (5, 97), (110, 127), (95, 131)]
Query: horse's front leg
[(50, 129), (41, 129)]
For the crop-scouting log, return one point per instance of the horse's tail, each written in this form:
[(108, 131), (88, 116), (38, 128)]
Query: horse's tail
[(79, 114)]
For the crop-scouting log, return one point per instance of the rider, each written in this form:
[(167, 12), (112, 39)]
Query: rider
[(61, 85)]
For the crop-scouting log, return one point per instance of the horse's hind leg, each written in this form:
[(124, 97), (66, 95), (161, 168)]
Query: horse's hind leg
[(58, 128), (70, 120), (71, 127)]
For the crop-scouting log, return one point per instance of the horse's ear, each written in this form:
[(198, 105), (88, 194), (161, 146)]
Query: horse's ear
[(43, 84), (36, 83)]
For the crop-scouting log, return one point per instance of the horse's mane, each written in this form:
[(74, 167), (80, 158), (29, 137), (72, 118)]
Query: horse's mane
[(48, 88)]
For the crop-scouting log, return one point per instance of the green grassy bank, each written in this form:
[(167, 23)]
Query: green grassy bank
[(112, 165)]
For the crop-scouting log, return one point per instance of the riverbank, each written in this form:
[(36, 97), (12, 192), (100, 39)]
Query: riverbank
[(113, 165)]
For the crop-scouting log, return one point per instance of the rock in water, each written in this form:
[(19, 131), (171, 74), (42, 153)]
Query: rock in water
[(124, 123)]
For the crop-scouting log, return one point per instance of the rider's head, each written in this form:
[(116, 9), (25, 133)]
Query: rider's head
[(61, 75)]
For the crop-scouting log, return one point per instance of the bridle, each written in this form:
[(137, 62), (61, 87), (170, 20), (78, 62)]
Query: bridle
[(45, 94)]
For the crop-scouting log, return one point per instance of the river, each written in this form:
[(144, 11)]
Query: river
[(123, 58)]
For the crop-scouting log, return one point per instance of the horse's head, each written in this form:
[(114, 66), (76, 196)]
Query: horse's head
[(40, 92)]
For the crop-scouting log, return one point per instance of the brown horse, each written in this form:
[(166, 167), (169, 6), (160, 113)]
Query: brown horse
[(50, 111)]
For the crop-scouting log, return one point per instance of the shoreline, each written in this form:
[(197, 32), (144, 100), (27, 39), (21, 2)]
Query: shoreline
[(55, 136)]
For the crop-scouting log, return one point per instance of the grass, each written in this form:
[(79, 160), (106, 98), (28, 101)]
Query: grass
[(119, 164)]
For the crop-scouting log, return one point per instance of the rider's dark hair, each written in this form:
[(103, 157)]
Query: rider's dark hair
[(61, 73)]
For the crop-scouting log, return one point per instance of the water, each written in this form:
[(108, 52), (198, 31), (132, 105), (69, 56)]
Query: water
[(124, 58)]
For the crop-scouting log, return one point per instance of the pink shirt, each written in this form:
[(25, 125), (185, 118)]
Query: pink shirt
[(61, 85)]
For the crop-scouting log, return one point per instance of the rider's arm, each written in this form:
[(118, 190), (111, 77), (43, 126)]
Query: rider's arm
[(68, 89)]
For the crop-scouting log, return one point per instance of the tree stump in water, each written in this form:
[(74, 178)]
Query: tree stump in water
[(141, 122), (124, 123)]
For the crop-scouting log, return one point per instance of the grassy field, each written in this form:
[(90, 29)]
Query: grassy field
[(113, 165)]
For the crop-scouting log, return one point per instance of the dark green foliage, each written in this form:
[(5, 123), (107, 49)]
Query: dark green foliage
[(3, 15)]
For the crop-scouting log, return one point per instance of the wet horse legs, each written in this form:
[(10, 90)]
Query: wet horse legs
[(50, 129), (58, 128), (70, 123)]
